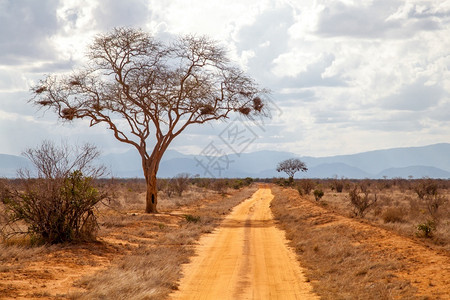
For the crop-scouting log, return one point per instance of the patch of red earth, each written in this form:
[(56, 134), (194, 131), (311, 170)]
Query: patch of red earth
[(52, 275)]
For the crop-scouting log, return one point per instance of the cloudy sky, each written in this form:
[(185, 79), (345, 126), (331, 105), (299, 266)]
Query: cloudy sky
[(347, 76)]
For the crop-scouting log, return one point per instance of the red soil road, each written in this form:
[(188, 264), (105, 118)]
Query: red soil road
[(246, 258)]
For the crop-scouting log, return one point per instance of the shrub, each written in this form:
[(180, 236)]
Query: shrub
[(318, 194), (240, 183), (433, 203), (281, 182), (362, 202), (337, 185), (426, 229), (179, 183), (428, 192), (425, 187), (306, 185), (57, 206), (219, 185)]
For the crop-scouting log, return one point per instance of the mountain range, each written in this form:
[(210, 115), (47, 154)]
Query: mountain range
[(413, 162)]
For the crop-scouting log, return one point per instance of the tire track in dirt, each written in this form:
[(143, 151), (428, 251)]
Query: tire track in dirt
[(246, 258)]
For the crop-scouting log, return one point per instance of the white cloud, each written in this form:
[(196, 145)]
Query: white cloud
[(348, 75), (293, 63)]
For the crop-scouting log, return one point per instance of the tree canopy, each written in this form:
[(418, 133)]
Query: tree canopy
[(147, 91), (291, 166)]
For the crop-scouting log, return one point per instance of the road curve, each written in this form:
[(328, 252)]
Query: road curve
[(246, 258)]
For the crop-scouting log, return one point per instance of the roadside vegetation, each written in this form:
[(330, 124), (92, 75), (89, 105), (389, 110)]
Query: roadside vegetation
[(413, 208), (135, 255), (369, 239)]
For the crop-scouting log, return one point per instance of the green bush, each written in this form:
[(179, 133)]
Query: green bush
[(318, 194), (426, 229)]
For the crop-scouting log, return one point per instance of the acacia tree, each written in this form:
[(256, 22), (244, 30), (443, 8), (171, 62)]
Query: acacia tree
[(147, 92), (291, 166)]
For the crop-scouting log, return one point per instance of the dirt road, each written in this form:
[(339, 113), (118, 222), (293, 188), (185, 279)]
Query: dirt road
[(246, 258)]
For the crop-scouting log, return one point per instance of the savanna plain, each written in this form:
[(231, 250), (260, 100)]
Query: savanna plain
[(351, 239)]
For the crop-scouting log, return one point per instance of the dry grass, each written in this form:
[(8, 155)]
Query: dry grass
[(363, 258), (20, 250), (398, 209), (338, 266)]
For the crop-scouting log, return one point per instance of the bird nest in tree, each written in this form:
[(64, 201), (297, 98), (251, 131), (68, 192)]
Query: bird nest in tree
[(207, 110), (45, 102), (257, 104), (40, 90), (245, 110), (68, 113)]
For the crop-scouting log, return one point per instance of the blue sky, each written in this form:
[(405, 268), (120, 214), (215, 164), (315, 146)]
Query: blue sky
[(346, 76)]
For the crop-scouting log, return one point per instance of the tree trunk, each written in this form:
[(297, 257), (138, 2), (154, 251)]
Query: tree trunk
[(150, 166), (291, 180), (152, 194)]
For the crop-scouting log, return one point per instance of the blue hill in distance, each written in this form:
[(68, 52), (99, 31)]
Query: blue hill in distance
[(428, 161)]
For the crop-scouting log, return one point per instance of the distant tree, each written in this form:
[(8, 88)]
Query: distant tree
[(291, 166), (148, 92)]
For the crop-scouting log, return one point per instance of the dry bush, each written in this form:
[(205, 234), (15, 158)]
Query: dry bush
[(425, 187), (393, 215), (338, 184), (428, 191), (305, 186), (175, 185), (57, 203), (180, 183), (202, 182), (361, 200), (219, 185)]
